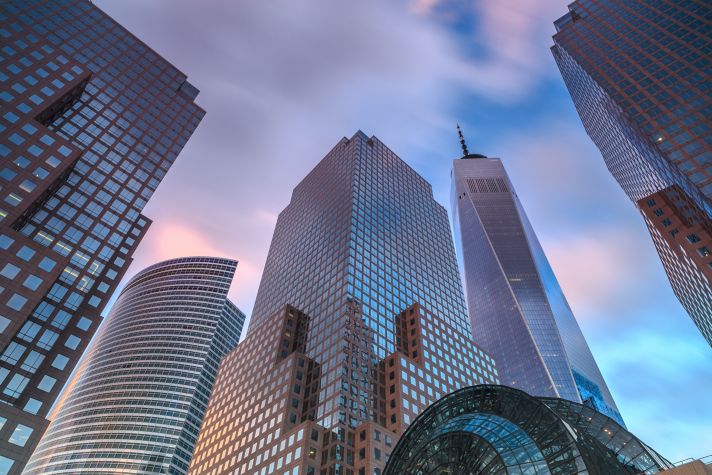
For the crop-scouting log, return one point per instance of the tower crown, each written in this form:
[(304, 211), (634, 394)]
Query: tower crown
[(465, 152)]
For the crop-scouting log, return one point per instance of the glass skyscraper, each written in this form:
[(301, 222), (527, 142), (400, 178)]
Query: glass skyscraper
[(517, 310), (639, 74), (91, 119), (136, 404), (359, 324)]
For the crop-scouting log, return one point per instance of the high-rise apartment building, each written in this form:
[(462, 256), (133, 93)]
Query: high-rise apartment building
[(639, 74), (91, 119), (137, 401), (517, 309), (359, 324)]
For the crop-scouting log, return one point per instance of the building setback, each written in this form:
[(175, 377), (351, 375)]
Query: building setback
[(638, 72), (359, 324), (91, 120), (517, 309), (138, 399)]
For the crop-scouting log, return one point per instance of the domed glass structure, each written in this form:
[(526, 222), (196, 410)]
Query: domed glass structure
[(500, 430)]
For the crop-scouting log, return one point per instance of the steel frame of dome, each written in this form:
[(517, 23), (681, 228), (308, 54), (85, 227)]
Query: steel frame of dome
[(491, 429)]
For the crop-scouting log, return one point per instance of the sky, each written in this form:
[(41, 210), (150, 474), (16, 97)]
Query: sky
[(283, 81)]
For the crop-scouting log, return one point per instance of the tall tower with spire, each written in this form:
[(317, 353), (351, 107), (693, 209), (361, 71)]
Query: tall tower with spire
[(517, 310)]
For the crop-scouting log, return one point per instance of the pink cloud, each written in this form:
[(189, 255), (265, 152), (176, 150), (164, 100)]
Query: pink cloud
[(595, 268), (168, 239)]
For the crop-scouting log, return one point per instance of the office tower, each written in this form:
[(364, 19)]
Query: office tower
[(138, 398), (491, 430), (91, 120), (359, 324), (517, 310), (639, 73)]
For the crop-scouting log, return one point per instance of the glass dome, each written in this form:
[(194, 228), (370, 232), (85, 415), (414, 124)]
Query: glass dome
[(496, 429)]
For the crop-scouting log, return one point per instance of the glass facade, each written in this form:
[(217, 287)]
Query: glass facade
[(518, 311), (501, 430), (374, 328), (137, 402), (91, 120), (638, 73)]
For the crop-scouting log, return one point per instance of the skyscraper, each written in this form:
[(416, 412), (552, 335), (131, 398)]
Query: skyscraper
[(359, 324), (91, 120), (517, 310), (638, 72), (138, 399)]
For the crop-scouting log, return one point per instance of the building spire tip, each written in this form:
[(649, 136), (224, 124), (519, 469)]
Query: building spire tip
[(465, 152)]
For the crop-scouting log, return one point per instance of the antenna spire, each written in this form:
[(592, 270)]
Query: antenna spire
[(465, 152)]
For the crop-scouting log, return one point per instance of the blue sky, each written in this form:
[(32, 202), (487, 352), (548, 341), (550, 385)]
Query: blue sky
[(283, 81)]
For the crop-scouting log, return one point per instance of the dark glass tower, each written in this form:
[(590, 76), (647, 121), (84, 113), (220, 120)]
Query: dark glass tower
[(137, 402), (639, 74), (91, 120), (375, 328), (517, 309)]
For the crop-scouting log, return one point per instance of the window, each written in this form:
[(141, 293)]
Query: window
[(10, 271), (693, 238), (5, 464), (47, 264), (16, 385), (5, 241), (33, 406), (20, 435), (84, 323), (13, 199), (43, 311), (32, 362), (16, 302), (7, 174), (25, 253), (32, 282), (72, 342), (47, 339), (13, 353), (60, 320), (27, 186), (60, 361), (47, 383), (28, 331), (704, 251)]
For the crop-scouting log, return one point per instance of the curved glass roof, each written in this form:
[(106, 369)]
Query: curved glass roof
[(628, 449), (491, 429)]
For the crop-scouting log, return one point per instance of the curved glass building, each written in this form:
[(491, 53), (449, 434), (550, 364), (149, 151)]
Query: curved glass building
[(491, 429), (137, 402)]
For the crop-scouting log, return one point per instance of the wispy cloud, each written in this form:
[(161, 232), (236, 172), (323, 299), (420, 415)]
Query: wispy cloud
[(505, 41), (282, 82)]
